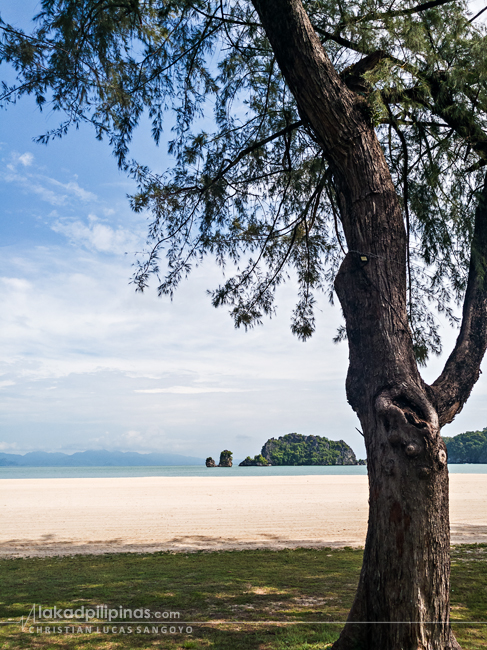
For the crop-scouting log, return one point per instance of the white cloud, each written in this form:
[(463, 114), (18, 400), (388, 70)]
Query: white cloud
[(16, 284), (135, 372), (31, 185), (74, 188), (190, 390), (124, 362), (153, 438), (48, 189), (7, 382), (8, 446), (97, 236), (26, 159)]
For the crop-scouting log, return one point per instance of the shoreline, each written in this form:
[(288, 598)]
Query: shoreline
[(173, 471), (49, 517)]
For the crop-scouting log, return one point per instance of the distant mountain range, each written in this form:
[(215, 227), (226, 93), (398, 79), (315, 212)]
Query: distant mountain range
[(94, 458)]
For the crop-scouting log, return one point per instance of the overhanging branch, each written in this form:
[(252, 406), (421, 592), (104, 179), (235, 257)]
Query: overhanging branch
[(443, 105), (454, 385)]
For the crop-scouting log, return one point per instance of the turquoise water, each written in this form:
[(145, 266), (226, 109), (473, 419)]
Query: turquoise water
[(190, 470)]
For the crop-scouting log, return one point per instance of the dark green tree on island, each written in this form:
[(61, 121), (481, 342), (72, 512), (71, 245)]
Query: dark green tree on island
[(347, 147)]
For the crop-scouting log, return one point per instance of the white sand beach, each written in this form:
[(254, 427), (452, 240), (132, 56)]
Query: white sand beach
[(43, 517)]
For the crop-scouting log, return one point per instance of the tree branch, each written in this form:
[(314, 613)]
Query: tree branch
[(253, 147), (405, 198), (424, 6), (454, 385), (344, 42), (223, 19), (444, 103), (448, 109), (377, 15), (477, 15), (444, 106)]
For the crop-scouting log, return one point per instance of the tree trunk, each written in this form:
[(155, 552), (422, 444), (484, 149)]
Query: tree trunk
[(402, 601)]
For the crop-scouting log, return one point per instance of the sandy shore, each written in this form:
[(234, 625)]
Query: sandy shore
[(98, 515)]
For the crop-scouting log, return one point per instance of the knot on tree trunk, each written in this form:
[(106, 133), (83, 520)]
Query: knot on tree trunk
[(412, 431), (406, 409)]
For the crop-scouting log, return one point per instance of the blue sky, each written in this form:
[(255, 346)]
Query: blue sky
[(87, 363)]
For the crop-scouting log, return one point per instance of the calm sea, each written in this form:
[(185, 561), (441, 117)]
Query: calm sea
[(190, 470)]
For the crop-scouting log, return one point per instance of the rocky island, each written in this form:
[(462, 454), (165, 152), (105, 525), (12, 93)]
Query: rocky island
[(297, 449), (226, 459), (256, 461)]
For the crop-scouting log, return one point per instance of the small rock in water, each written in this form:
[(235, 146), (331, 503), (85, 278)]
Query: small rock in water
[(226, 458)]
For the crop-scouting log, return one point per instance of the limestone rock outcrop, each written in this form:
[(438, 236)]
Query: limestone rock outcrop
[(226, 459), (297, 449)]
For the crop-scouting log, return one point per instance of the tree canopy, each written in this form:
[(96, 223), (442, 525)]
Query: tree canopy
[(250, 184)]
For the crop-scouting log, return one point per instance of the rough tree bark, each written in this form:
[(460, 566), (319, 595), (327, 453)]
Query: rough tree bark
[(402, 601)]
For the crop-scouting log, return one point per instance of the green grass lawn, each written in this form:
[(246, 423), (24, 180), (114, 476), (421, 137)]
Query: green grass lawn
[(265, 600)]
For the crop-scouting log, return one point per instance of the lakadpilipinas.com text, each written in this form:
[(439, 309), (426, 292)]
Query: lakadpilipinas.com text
[(103, 619)]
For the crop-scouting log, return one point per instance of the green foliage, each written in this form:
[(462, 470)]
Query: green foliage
[(468, 447), (226, 458), (249, 185), (257, 460), (296, 449)]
